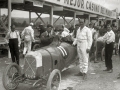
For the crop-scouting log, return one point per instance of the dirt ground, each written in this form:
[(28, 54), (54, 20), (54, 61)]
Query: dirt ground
[(97, 78)]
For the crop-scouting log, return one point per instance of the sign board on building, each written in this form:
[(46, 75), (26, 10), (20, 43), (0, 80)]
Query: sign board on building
[(37, 3), (17, 1), (84, 5)]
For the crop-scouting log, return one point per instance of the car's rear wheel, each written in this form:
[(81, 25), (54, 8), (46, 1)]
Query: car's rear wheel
[(54, 79), (9, 76)]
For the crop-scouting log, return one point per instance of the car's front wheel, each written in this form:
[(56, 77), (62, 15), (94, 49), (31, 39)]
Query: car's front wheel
[(54, 79), (9, 76)]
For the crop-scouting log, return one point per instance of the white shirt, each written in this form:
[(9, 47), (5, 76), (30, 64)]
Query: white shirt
[(92, 30), (28, 31), (11, 35), (84, 34), (65, 33), (108, 37)]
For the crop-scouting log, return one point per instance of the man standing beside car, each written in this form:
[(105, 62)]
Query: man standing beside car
[(14, 43), (84, 41)]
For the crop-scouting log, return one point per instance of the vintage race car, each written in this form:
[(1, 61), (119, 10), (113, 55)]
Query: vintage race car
[(43, 66)]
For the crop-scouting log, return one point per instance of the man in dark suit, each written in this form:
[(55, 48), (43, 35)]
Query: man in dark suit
[(47, 36)]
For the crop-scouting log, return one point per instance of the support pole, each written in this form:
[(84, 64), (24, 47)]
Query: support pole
[(9, 22), (29, 17), (74, 19), (88, 20), (0, 15), (51, 16), (79, 19)]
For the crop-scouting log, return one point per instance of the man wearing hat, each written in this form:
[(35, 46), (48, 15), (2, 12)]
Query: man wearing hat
[(28, 36), (47, 36)]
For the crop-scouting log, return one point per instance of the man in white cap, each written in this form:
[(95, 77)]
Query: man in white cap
[(28, 36), (84, 41)]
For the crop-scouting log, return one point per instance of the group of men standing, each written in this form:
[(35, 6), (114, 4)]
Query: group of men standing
[(82, 37)]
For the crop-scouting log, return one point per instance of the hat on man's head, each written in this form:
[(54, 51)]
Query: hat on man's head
[(31, 24)]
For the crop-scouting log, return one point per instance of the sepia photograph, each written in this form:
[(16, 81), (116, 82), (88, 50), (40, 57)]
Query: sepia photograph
[(59, 44)]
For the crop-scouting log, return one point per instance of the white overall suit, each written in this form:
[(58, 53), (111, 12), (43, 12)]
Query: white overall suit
[(84, 41), (28, 36)]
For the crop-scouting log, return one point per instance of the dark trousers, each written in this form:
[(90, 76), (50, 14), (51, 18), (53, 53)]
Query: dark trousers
[(108, 55), (14, 50), (119, 50)]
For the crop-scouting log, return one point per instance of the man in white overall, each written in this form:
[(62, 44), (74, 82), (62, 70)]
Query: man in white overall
[(84, 42), (28, 36)]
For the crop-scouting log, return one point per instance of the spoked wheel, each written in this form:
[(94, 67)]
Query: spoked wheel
[(103, 54), (54, 80), (9, 76)]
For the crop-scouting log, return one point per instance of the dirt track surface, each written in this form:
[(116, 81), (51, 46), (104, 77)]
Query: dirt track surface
[(97, 78)]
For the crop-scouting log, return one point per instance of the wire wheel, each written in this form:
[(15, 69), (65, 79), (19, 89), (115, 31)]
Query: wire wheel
[(54, 80), (10, 73)]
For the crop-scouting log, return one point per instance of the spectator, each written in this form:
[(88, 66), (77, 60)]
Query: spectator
[(71, 28), (75, 31), (119, 46), (28, 37), (84, 42), (109, 39), (14, 43), (119, 54), (41, 29), (47, 36), (65, 32), (94, 36)]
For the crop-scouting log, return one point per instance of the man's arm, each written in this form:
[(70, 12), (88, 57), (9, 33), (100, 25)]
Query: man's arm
[(89, 38), (19, 40), (32, 35), (22, 34)]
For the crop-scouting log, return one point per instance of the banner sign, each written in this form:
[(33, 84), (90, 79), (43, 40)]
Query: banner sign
[(84, 5), (17, 1), (37, 3)]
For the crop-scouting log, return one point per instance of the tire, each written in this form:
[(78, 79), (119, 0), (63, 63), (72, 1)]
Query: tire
[(8, 76), (103, 54), (55, 77), (35, 47)]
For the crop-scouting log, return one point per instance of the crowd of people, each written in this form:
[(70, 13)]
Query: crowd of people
[(86, 39)]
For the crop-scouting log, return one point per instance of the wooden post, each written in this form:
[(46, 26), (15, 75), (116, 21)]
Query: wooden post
[(88, 20), (29, 16), (74, 19), (51, 16), (9, 22)]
